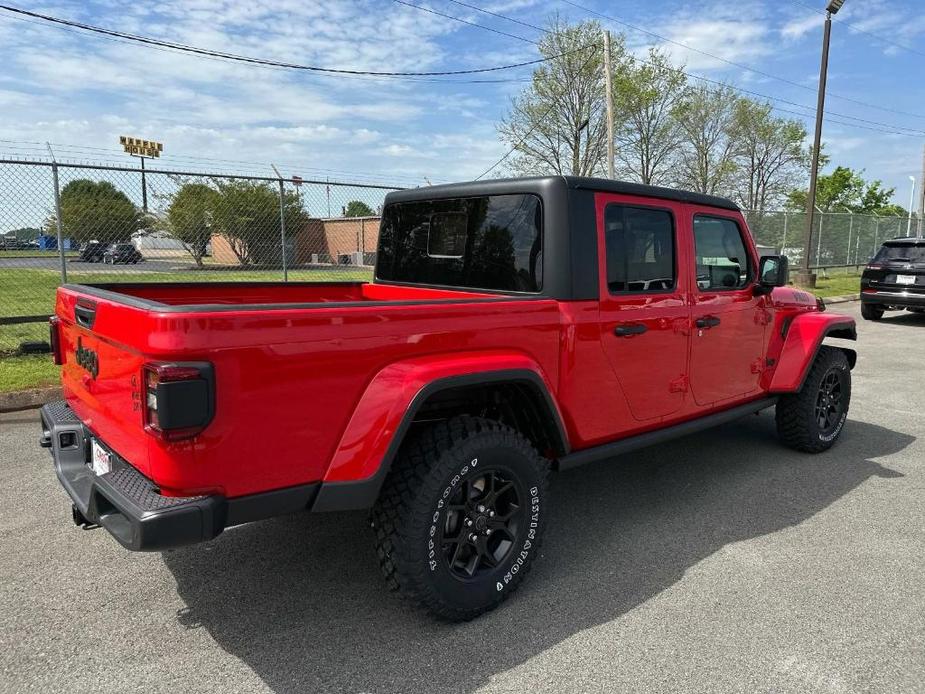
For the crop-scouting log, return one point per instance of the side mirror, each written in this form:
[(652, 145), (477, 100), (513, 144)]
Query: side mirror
[(773, 271)]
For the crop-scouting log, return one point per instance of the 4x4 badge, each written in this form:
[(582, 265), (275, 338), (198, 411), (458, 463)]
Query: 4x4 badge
[(87, 358)]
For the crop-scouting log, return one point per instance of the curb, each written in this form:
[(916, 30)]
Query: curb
[(841, 299), (28, 399)]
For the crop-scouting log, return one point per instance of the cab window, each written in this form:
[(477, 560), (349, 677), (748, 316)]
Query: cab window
[(721, 256), (640, 249)]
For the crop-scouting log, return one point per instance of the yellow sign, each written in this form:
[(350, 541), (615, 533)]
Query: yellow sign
[(141, 148)]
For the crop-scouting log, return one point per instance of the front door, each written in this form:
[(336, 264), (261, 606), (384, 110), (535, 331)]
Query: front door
[(728, 319), (645, 318)]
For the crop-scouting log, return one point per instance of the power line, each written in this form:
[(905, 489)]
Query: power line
[(858, 29), (524, 137), (263, 61), (891, 128), (741, 66), (496, 14), (463, 21)]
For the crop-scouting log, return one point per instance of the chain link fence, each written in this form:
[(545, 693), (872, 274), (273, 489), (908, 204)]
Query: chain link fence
[(840, 239), (98, 224)]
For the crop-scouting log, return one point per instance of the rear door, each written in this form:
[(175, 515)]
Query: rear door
[(644, 312), (728, 320)]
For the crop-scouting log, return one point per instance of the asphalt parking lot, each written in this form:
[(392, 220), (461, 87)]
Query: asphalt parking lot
[(717, 563)]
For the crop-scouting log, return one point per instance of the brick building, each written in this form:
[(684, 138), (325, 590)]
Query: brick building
[(332, 240)]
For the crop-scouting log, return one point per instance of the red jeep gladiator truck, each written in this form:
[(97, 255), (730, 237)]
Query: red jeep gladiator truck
[(513, 328)]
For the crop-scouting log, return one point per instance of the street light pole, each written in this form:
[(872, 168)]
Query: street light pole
[(804, 276), (911, 206)]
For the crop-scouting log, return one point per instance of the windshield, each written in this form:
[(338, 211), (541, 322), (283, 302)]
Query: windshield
[(489, 242), (905, 253)]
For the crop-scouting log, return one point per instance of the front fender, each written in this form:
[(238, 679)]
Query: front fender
[(804, 335), (394, 394)]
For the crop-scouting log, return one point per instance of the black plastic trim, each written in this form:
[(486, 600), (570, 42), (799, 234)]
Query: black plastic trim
[(362, 494), (107, 291), (131, 507), (604, 185), (632, 443), (888, 298), (846, 330)]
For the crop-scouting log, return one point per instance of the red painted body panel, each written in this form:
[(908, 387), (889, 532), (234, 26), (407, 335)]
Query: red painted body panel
[(387, 398), (804, 335), (312, 381)]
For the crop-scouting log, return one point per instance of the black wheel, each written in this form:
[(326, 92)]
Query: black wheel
[(871, 311), (460, 517), (812, 419)]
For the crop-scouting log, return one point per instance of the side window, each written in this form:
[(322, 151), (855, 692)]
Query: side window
[(721, 257), (640, 249)]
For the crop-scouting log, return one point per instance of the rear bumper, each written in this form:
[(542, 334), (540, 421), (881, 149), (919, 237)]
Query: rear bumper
[(130, 506), (893, 298)]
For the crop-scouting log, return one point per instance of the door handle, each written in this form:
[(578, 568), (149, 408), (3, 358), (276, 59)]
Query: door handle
[(707, 322), (629, 329)]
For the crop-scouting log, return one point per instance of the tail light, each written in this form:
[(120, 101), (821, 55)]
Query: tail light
[(54, 339), (179, 399)]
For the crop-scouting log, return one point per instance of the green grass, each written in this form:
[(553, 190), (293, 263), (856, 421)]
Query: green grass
[(35, 253), (27, 292), (838, 283), (27, 371)]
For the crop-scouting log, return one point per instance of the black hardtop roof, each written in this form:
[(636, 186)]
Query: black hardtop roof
[(540, 184), (904, 241)]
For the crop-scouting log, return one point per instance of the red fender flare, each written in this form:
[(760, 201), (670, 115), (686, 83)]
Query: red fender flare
[(394, 394), (803, 338)]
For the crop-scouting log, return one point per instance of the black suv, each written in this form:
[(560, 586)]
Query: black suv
[(894, 279), (121, 253), (92, 252)]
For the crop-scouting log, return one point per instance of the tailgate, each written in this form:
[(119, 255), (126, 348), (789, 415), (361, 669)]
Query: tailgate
[(100, 375)]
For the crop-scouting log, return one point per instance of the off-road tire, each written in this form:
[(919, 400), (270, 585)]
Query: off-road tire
[(871, 312), (797, 413), (432, 474)]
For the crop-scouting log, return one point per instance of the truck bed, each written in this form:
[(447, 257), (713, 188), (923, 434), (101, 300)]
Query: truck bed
[(291, 361), (263, 295)]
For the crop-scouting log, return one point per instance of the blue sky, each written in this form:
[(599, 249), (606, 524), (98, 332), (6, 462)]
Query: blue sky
[(70, 88)]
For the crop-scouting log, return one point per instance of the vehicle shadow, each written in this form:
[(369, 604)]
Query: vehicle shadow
[(301, 602), (904, 318)]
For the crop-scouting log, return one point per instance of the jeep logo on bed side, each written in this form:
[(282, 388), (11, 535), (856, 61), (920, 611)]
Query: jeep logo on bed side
[(87, 358)]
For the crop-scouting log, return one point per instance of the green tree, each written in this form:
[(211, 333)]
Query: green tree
[(706, 161), (246, 213), (190, 217), (647, 132), (358, 208), (97, 210), (770, 155), (846, 190), (557, 125)]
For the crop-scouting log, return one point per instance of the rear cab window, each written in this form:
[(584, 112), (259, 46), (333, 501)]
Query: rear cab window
[(491, 242), (640, 247)]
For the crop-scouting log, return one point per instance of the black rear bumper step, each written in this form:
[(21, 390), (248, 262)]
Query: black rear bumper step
[(885, 297), (131, 507)]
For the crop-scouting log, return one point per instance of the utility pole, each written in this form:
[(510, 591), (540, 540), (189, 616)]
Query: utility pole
[(608, 90), (919, 229), (804, 276)]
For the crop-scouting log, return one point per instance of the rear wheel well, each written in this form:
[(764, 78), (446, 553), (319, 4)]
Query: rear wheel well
[(518, 404)]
